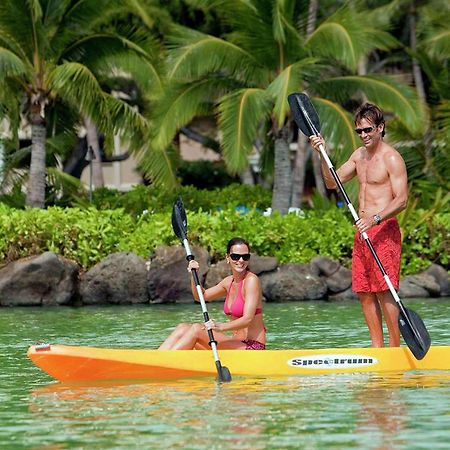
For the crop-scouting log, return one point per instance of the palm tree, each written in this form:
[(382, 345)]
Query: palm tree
[(246, 75), (425, 54), (57, 52)]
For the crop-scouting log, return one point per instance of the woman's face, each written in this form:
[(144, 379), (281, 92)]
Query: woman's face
[(239, 257)]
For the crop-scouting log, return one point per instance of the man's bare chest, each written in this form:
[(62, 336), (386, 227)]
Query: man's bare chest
[(372, 172)]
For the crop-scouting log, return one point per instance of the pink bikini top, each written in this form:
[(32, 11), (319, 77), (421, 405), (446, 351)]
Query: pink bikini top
[(237, 308)]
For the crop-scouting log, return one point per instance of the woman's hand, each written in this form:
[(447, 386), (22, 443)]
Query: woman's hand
[(193, 265), (212, 325)]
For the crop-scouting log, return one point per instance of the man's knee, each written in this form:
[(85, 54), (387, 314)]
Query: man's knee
[(367, 297)]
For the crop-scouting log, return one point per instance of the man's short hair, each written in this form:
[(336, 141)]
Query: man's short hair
[(371, 113)]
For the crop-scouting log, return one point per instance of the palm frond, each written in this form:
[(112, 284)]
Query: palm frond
[(179, 105), (240, 115), (337, 128), (77, 85), (347, 36), (388, 93), (438, 45), (289, 80), (187, 61), (10, 64), (141, 11), (279, 32), (122, 118), (145, 72), (158, 165)]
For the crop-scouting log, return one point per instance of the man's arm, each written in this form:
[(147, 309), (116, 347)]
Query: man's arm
[(345, 173), (399, 183)]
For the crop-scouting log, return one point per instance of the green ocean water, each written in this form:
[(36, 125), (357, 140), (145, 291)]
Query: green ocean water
[(346, 411)]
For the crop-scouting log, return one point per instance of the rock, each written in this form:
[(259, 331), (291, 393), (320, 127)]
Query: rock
[(292, 282), (348, 294), (261, 264), (216, 273), (442, 278), (168, 279), (321, 265), (338, 278), (408, 289), (47, 279), (425, 282), (121, 278), (339, 281)]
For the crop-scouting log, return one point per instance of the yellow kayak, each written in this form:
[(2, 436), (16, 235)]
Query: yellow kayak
[(84, 364)]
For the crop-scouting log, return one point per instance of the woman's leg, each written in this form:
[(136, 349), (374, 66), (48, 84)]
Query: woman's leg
[(175, 336), (197, 337), (192, 337)]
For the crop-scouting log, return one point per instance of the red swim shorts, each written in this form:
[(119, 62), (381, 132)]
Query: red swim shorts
[(387, 241)]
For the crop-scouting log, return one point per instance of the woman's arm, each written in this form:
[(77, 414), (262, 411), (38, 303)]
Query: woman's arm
[(213, 293)]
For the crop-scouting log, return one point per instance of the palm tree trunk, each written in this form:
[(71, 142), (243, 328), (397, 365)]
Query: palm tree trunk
[(299, 172), (36, 182), (281, 194), (312, 17), (417, 73), (311, 26), (318, 178), (92, 141)]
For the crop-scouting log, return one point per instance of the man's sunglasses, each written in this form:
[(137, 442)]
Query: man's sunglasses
[(238, 256), (365, 130)]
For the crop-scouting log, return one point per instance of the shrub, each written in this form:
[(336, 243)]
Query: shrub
[(88, 235)]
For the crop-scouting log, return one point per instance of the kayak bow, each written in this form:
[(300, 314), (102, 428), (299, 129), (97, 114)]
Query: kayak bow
[(80, 364)]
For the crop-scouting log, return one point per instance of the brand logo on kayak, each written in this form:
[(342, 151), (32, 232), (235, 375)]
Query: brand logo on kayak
[(337, 361)]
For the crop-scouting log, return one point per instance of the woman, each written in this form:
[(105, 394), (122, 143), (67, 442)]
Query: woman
[(243, 303)]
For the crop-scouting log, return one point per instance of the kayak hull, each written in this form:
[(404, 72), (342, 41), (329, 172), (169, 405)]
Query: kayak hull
[(84, 364)]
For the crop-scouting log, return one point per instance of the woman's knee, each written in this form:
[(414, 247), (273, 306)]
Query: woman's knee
[(182, 328), (197, 329)]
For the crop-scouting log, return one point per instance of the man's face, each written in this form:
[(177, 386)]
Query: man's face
[(369, 133)]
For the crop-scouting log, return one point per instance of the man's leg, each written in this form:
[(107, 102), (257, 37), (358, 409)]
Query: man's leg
[(390, 312), (372, 314)]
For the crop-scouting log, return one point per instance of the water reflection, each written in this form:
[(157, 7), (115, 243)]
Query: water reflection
[(183, 411), (384, 409), (246, 413)]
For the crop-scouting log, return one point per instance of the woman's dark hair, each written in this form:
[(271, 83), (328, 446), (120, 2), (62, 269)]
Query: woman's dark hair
[(236, 241), (372, 113)]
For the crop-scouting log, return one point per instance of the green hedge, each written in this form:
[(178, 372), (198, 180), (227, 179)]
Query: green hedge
[(89, 235), (149, 198)]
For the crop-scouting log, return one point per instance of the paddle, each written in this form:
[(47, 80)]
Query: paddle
[(179, 224), (411, 325)]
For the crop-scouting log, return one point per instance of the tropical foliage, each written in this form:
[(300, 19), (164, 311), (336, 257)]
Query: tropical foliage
[(54, 58), (235, 60), (88, 235), (267, 54)]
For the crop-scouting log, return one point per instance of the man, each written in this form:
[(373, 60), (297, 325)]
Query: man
[(383, 193)]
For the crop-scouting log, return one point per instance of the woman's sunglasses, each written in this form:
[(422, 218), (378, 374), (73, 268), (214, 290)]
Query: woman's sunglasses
[(238, 256), (365, 130)]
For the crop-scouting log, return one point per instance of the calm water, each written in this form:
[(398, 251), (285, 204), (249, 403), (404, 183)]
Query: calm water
[(356, 411)]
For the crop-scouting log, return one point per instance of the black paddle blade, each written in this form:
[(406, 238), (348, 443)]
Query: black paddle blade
[(305, 115), (223, 373), (414, 333), (179, 219)]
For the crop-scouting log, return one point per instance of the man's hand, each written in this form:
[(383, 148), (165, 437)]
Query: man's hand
[(316, 141), (363, 224)]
